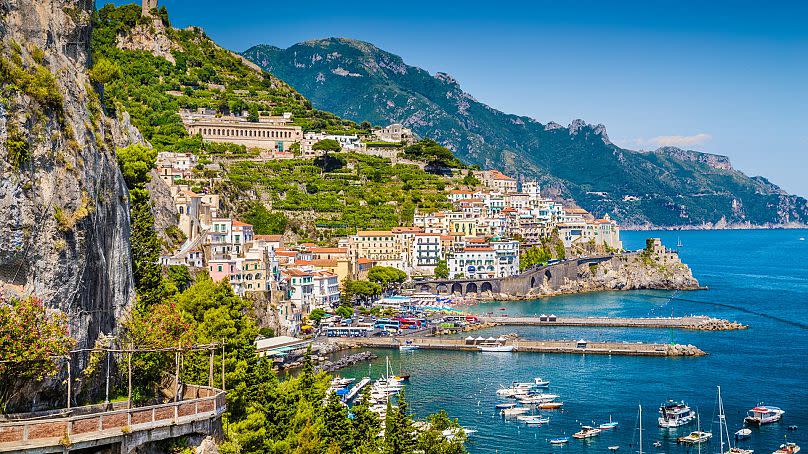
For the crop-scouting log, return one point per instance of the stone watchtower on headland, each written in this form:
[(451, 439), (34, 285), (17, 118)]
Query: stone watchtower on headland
[(148, 5)]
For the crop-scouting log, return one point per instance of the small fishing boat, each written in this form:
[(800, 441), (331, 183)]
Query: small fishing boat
[(743, 434), (697, 436), (514, 411), (763, 415), (505, 405), (788, 448), (609, 425), (657, 444), (559, 440), (614, 448), (675, 414), (587, 432), (551, 405)]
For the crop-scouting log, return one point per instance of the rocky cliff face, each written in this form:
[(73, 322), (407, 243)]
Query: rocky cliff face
[(64, 207), (630, 272)]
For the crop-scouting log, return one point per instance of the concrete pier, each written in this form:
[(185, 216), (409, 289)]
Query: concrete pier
[(699, 322), (549, 346)]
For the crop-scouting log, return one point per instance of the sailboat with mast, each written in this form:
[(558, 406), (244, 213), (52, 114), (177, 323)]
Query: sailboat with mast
[(723, 430)]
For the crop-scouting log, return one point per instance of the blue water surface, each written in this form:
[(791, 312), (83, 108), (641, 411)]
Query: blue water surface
[(756, 277)]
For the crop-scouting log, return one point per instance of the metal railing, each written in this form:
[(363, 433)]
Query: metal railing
[(92, 422)]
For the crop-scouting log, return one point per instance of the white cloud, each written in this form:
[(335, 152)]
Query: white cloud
[(680, 141)]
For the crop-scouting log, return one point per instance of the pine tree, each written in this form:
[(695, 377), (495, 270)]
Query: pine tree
[(337, 428), (366, 425)]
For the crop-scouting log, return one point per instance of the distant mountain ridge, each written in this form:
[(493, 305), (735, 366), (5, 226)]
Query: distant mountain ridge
[(665, 187)]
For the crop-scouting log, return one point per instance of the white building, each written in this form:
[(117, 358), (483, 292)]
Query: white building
[(473, 262), (427, 250)]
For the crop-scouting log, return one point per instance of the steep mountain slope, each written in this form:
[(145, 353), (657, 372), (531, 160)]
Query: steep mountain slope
[(64, 234), (667, 187)]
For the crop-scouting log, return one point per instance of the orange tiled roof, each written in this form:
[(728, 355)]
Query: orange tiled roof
[(240, 224), (374, 233)]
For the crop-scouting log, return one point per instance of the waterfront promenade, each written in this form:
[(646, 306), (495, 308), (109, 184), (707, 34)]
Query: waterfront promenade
[(699, 322), (547, 346)]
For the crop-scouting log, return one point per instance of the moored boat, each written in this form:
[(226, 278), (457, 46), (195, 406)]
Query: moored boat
[(408, 346), (559, 440), (551, 405), (763, 414), (697, 436), (737, 450), (788, 448), (743, 434), (675, 414), (505, 405), (587, 432), (514, 411), (533, 420), (609, 425)]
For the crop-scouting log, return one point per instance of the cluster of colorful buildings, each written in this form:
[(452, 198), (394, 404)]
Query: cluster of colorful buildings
[(480, 237)]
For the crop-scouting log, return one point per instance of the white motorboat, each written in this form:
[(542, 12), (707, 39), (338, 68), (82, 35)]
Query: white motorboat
[(514, 411), (536, 383), (743, 434), (763, 414), (697, 436), (587, 432), (559, 440), (533, 420), (512, 392), (538, 398), (675, 414)]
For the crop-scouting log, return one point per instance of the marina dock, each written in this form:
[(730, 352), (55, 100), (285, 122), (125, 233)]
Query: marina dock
[(700, 322), (548, 346), (356, 389)]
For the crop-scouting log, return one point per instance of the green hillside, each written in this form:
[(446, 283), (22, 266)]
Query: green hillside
[(668, 187), (319, 199)]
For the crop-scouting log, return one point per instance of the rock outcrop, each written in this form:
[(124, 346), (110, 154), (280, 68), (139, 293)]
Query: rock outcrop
[(64, 206), (637, 271)]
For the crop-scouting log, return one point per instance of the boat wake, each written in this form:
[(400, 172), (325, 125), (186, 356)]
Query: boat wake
[(737, 308)]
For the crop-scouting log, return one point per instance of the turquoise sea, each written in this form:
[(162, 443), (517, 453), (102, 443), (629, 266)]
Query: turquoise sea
[(757, 277)]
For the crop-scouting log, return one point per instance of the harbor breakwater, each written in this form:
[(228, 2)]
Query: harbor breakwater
[(546, 346), (697, 322)]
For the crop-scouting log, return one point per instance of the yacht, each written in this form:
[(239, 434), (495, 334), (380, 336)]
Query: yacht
[(763, 415), (675, 414), (788, 448), (587, 432)]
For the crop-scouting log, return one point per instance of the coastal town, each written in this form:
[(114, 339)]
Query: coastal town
[(482, 237), (325, 249)]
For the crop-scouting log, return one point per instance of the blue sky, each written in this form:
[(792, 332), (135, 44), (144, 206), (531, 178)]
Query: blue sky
[(718, 76)]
